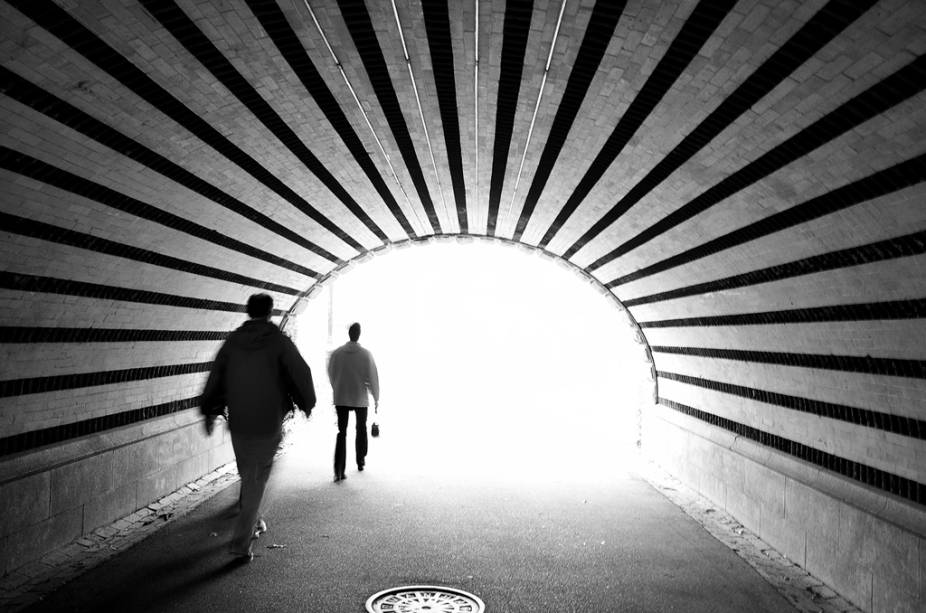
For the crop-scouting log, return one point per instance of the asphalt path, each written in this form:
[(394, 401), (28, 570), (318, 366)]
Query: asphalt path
[(535, 529)]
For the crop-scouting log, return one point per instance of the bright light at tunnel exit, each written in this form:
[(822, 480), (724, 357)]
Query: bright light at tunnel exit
[(492, 359)]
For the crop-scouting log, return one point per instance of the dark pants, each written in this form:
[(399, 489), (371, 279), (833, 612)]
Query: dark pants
[(360, 443), (254, 456)]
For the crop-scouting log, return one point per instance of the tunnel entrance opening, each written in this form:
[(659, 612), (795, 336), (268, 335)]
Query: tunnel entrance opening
[(491, 357)]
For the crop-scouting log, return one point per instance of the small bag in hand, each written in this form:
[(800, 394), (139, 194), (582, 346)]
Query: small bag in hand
[(374, 429)]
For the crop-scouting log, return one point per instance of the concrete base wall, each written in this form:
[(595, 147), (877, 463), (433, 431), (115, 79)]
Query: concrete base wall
[(54, 495), (868, 546)]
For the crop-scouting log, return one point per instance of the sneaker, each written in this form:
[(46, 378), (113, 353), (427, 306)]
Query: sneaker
[(241, 558), (260, 528)]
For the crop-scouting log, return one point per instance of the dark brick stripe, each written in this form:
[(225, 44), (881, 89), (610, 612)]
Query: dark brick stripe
[(894, 367), (69, 182), (699, 26), (905, 426), (514, 44), (818, 31), (55, 234), (888, 482), (41, 101), (281, 33), (902, 246), (58, 22), (51, 285), (440, 44), (897, 309), (28, 441), (54, 383), (362, 33), (14, 334), (900, 86), (595, 42), (895, 178), (199, 46)]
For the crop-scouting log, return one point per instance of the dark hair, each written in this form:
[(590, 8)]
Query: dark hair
[(260, 305), (354, 331)]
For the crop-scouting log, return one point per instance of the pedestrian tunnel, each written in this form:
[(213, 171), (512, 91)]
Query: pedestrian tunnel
[(498, 360), (741, 179)]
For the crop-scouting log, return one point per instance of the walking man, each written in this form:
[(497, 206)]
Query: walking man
[(257, 375), (353, 376)]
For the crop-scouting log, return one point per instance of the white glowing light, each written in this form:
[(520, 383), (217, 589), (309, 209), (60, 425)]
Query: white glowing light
[(490, 359)]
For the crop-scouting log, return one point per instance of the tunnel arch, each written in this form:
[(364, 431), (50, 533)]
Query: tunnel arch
[(299, 303), (745, 177)]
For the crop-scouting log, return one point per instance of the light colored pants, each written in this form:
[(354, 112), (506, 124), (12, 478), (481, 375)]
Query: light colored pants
[(254, 456)]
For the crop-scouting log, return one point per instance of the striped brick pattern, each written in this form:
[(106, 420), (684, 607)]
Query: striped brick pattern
[(746, 177)]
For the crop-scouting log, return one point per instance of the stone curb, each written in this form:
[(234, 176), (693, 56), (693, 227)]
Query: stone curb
[(807, 593), (30, 583)]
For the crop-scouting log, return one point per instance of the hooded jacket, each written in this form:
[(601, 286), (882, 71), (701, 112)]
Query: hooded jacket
[(352, 372), (258, 374)]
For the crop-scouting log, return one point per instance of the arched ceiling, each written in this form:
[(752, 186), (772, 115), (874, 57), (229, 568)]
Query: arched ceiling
[(630, 138), (732, 171)]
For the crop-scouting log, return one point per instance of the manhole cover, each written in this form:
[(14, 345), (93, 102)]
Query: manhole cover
[(424, 599)]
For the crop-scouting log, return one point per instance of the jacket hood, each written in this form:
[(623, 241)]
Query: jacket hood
[(254, 334)]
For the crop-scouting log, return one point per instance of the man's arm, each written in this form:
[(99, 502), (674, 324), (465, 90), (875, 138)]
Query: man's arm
[(374, 380), (300, 377), (212, 401)]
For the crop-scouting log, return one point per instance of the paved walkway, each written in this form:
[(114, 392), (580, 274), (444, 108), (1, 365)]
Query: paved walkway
[(524, 534)]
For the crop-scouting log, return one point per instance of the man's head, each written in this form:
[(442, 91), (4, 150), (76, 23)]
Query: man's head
[(354, 332), (260, 306)]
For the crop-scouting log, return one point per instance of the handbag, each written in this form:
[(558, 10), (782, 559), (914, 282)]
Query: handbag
[(374, 429)]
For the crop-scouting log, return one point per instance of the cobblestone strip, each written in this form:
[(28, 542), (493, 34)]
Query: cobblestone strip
[(807, 593), (30, 583)]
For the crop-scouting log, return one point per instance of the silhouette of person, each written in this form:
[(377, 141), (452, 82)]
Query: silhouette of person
[(256, 377), (352, 373)]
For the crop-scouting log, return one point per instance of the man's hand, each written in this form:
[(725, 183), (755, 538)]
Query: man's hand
[(209, 424)]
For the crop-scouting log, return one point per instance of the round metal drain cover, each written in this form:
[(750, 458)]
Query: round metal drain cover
[(424, 599)]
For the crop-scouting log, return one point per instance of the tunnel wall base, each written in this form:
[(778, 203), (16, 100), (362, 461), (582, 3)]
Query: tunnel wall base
[(866, 545), (54, 495)]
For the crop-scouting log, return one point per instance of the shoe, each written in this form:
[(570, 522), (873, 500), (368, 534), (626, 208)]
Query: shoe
[(360, 467), (340, 477), (242, 558), (239, 557), (260, 528)]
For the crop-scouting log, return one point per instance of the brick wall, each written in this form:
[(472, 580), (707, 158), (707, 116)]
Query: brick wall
[(746, 178)]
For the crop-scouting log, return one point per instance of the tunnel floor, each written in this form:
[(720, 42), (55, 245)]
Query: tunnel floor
[(517, 535)]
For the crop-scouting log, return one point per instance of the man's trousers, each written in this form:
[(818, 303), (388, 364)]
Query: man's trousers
[(360, 442), (254, 456)]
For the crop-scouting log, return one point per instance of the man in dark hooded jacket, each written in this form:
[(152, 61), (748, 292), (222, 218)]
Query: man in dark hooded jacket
[(257, 376)]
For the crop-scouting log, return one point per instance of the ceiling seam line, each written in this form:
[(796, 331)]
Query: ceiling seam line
[(189, 34), (366, 118), (61, 24), (530, 129), (476, 113), (424, 125), (280, 31)]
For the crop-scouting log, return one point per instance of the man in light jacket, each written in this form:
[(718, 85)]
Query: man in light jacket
[(257, 375), (353, 376)]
